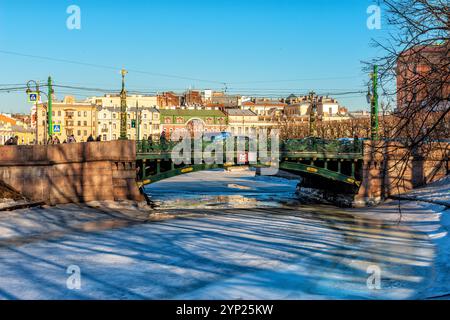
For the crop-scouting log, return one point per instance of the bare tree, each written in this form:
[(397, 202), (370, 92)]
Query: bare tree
[(415, 76)]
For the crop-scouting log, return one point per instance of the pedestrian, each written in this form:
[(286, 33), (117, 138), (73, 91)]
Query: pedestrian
[(99, 138), (56, 140), (15, 140), (9, 142), (90, 138)]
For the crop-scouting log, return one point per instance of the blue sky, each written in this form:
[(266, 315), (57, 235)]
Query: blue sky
[(250, 45)]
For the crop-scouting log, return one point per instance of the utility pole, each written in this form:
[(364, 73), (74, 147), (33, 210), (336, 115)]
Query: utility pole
[(123, 109), (313, 115), (374, 121), (50, 108)]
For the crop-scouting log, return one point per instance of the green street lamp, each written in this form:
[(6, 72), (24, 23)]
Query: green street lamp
[(29, 90), (123, 109)]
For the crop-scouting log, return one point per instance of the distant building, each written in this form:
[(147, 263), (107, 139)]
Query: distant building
[(113, 101), (265, 107), (109, 123), (193, 120), (327, 108), (168, 100), (11, 127), (245, 122), (72, 117)]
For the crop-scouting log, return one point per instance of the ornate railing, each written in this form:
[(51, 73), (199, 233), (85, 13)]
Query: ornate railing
[(307, 146)]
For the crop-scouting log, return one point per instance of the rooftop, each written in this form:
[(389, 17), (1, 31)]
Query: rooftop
[(198, 113)]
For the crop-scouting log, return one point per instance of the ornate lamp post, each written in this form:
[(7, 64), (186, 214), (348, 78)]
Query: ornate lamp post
[(123, 108), (372, 98), (313, 115)]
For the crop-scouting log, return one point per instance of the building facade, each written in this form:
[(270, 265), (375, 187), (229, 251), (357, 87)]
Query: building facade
[(245, 122), (73, 118), (193, 121), (109, 123)]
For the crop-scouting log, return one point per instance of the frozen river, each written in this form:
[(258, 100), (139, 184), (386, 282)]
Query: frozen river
[(234, 236)]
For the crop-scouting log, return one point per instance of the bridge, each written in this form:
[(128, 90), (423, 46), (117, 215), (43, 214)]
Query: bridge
[(115, 170), (338, 161)]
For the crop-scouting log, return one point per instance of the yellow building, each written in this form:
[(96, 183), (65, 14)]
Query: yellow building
[(70, 117), (11, 127), (246, 122)]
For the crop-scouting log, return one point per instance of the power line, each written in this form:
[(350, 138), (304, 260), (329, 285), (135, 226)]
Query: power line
[(107, 67)]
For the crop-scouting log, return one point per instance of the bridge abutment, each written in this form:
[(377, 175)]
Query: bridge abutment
[(389, 169), (72, 173)]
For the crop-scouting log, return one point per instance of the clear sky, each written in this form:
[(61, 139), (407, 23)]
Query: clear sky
[(250, 45)]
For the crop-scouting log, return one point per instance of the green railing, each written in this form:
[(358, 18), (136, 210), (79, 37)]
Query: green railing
[(321, 146), (307, 145)]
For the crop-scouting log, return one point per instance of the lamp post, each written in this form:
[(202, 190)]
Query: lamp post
[(313, 115), (35, 84), (123, 108), (372, 98)]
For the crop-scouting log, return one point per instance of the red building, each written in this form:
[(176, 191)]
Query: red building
[(423, 77)]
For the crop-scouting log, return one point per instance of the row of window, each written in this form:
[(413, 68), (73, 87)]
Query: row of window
[(144, 116), (66, 113), (145, 126)]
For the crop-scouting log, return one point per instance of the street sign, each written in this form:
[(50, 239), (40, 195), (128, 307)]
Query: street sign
[(56, 128), (33, 97)]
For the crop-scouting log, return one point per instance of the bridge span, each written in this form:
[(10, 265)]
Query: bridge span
[(116, 170)]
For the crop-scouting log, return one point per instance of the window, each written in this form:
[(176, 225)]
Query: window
[(79, 113), (114, 137), (104, 116), (104, 137), (79, 132), (85, 123), (85, 113), (145, 116), (114, 115), (59, 113), (79, 123), (145, 126)]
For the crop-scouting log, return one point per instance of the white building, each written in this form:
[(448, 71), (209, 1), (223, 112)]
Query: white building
[(109, 122), (132, 100)]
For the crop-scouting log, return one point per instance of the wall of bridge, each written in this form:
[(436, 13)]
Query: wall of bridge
[(391, 170), (72, 173)]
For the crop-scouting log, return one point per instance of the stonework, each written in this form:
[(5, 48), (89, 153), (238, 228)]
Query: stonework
[(72, 173), (390, 170)]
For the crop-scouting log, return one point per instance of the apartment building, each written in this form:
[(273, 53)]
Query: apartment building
[(245, 122), (70, 117), (108, 124)]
